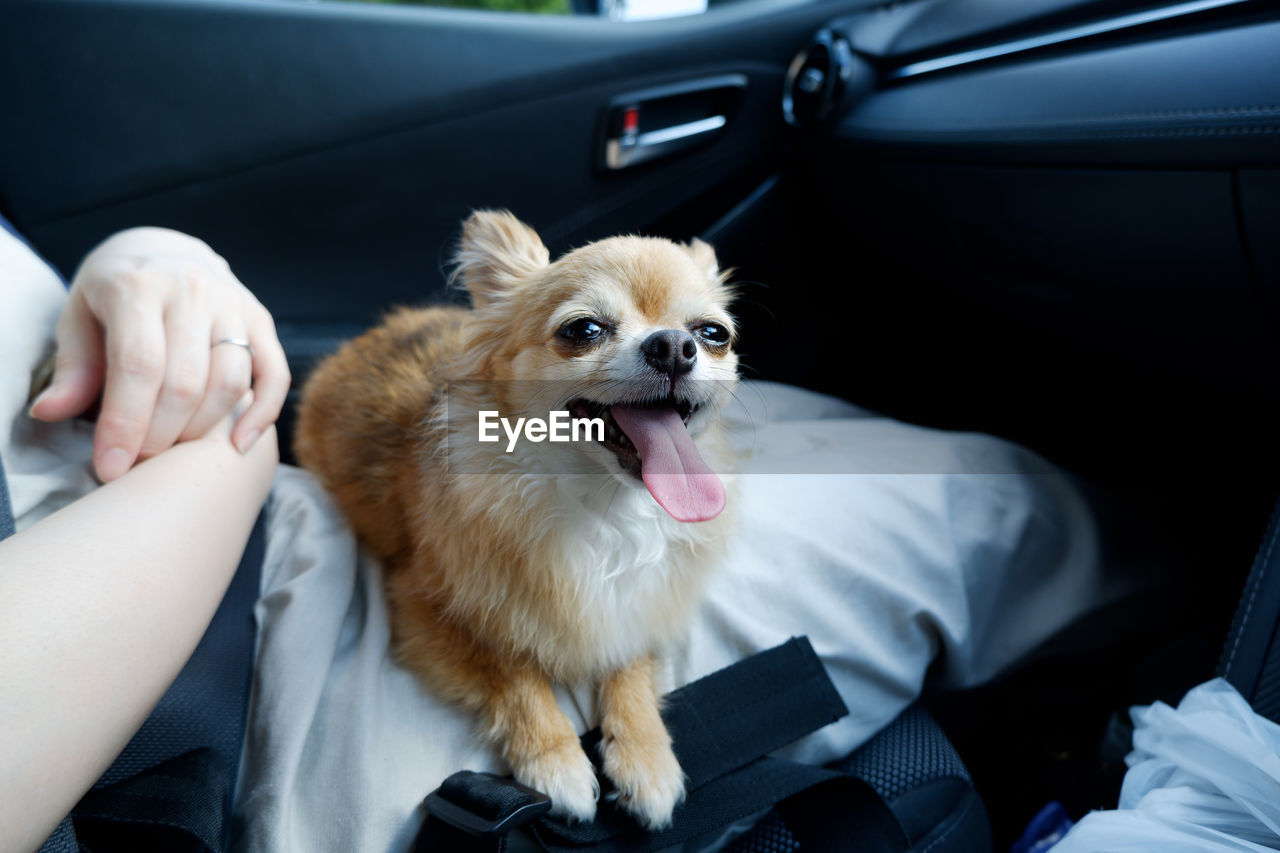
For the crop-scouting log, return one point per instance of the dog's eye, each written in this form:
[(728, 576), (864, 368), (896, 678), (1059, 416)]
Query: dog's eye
[(582, 331), (713, 333)]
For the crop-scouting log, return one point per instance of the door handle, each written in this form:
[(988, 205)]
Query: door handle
[(655, 123), (630, 149)]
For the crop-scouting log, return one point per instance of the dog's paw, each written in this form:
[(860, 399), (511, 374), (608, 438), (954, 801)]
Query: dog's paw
[(565, 775), (647, 776)]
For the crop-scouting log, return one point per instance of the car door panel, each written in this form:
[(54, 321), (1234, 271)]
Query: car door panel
[(331, 150), (149, 95), (359, 226)]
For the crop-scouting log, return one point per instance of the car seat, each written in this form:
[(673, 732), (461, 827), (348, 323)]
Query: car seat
[(1251, 655), (918, 774)]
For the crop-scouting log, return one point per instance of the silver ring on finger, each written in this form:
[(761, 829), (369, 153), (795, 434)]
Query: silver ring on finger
[(235, 342)]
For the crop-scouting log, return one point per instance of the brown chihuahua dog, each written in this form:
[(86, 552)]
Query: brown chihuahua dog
[(514, 562)]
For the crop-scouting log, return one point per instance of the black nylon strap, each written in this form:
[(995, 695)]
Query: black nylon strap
[(718, 724), (450, 839), (740, 713), (721, 727)]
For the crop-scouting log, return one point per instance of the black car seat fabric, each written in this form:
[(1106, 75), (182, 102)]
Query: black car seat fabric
[(1251, 657), (916, 771)]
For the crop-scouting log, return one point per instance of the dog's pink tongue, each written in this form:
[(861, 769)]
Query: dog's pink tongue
[(672, 468)]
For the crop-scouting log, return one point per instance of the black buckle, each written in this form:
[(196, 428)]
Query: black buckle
[(484, 804)]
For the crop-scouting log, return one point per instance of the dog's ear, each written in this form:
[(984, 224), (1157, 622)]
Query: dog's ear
[(705, 257), (496, 251)]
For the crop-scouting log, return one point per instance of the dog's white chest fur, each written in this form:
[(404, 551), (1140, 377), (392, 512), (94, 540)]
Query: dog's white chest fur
[(628, 574), (607, 575)]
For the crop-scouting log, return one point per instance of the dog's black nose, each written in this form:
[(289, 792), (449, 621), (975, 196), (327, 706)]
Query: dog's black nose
[(670, 351)]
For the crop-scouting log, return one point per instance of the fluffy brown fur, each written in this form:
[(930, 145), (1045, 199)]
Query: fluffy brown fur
[(509, 571)]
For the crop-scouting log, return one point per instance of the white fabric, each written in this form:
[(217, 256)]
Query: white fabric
[(1203, 778), (887, 544), (47, 465), (883, 571)]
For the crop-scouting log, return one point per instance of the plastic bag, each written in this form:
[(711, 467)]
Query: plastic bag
[(1203, 777)]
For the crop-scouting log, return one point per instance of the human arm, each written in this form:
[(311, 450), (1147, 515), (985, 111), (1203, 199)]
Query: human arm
[(101, 604), (145, 311)]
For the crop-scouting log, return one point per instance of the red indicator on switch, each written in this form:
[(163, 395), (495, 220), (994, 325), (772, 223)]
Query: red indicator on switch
[(631, 120)]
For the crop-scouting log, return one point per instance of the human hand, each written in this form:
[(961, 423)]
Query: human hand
[(260, 453), (145, 315)]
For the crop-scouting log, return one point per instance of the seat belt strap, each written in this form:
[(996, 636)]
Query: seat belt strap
[(722, 727), (756, 706)]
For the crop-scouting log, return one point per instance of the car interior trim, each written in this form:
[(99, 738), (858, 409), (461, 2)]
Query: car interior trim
[(1058, 37), (1205, 97)]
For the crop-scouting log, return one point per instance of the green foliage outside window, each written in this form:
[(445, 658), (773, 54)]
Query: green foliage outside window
[(547, 7)]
